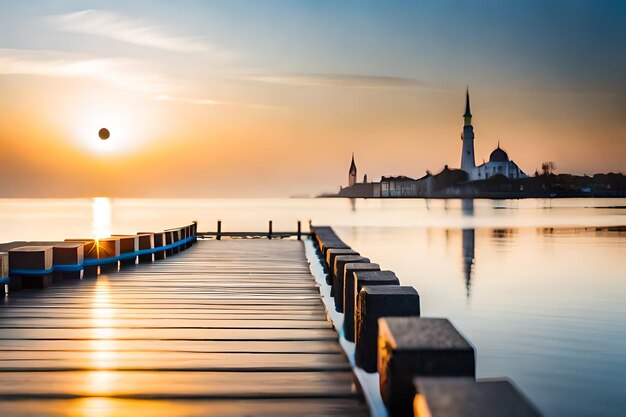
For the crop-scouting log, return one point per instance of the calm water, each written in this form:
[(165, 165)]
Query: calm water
[(538, 286)]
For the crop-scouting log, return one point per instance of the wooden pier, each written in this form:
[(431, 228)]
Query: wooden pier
[(226, 328), (234, 327)]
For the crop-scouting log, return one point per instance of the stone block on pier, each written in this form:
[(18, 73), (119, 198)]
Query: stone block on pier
[(189, 233), (330, 261), (332, 244), (4, 264), (175, 236), (338, 274), (105, 249), (128, 245), (348, 280), (159, 240), (4, 272), (146, 241), (333, 252), (413, 346), (353, 285), (33, 264), (68, 253), (464, 397), (376, 302)]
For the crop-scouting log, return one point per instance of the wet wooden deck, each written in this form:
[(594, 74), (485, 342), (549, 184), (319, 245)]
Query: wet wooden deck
[(226, 328)]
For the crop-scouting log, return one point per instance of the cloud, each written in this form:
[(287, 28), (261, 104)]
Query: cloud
[(120, 73), (116, 26), (116, 72), (339, 80), (199, 101), (210, 102)]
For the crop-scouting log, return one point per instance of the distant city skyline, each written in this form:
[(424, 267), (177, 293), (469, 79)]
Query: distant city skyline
[(254, 99)]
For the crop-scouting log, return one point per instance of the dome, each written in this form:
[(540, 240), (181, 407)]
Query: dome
[(498, 155)]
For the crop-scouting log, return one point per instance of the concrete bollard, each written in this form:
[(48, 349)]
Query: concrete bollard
[(90, 251), (338, 274), (4, 272), (189, 234), (412, 346), (37, 259), (363, 279), (376, 302), (352, 285), (146, 241), (109, 248), (348, 279), (128, 245), (183, 235), (169, 239), (194, 231), (68, 253), (464, 397), (159, 241), (333, 252), (175, 233), (332, 244), (330, 261), (100, 249)]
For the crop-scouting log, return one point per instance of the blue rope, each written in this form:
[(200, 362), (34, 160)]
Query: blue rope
[(98, 262)]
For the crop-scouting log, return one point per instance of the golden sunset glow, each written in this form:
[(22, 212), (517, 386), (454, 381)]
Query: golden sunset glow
[(251, 107)]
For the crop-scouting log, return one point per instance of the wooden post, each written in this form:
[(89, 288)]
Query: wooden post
[(219, 230), (269, 235), (299, 230)]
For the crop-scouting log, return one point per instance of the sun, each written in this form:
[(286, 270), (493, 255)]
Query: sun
[(104, 133), (104, 130)]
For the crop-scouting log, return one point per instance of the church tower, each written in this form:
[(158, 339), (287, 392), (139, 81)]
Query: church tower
[(352, 173), (468, 162)]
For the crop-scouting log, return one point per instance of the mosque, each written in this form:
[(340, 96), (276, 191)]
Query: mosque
[(499, 162), (402, 186)]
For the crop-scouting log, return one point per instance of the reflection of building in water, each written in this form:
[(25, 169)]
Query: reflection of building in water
[(467, 206), (468, 257), (502, 234)]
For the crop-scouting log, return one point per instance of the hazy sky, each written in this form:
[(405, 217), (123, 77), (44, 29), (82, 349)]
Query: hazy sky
[(269, 98)]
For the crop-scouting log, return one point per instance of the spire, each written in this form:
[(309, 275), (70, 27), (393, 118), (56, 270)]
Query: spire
[(468, 113), (352, 172), (352, 165)]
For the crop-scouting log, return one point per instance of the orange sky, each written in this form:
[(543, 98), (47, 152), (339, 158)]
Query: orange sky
[(189, 118)]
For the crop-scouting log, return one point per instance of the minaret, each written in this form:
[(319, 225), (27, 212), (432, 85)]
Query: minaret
[(468, 162), (352, 173)]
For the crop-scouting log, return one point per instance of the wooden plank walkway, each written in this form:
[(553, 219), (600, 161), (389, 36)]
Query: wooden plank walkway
[(226, 328)]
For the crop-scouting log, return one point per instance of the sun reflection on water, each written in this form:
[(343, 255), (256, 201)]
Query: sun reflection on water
[(103, 354), (101, 217)]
